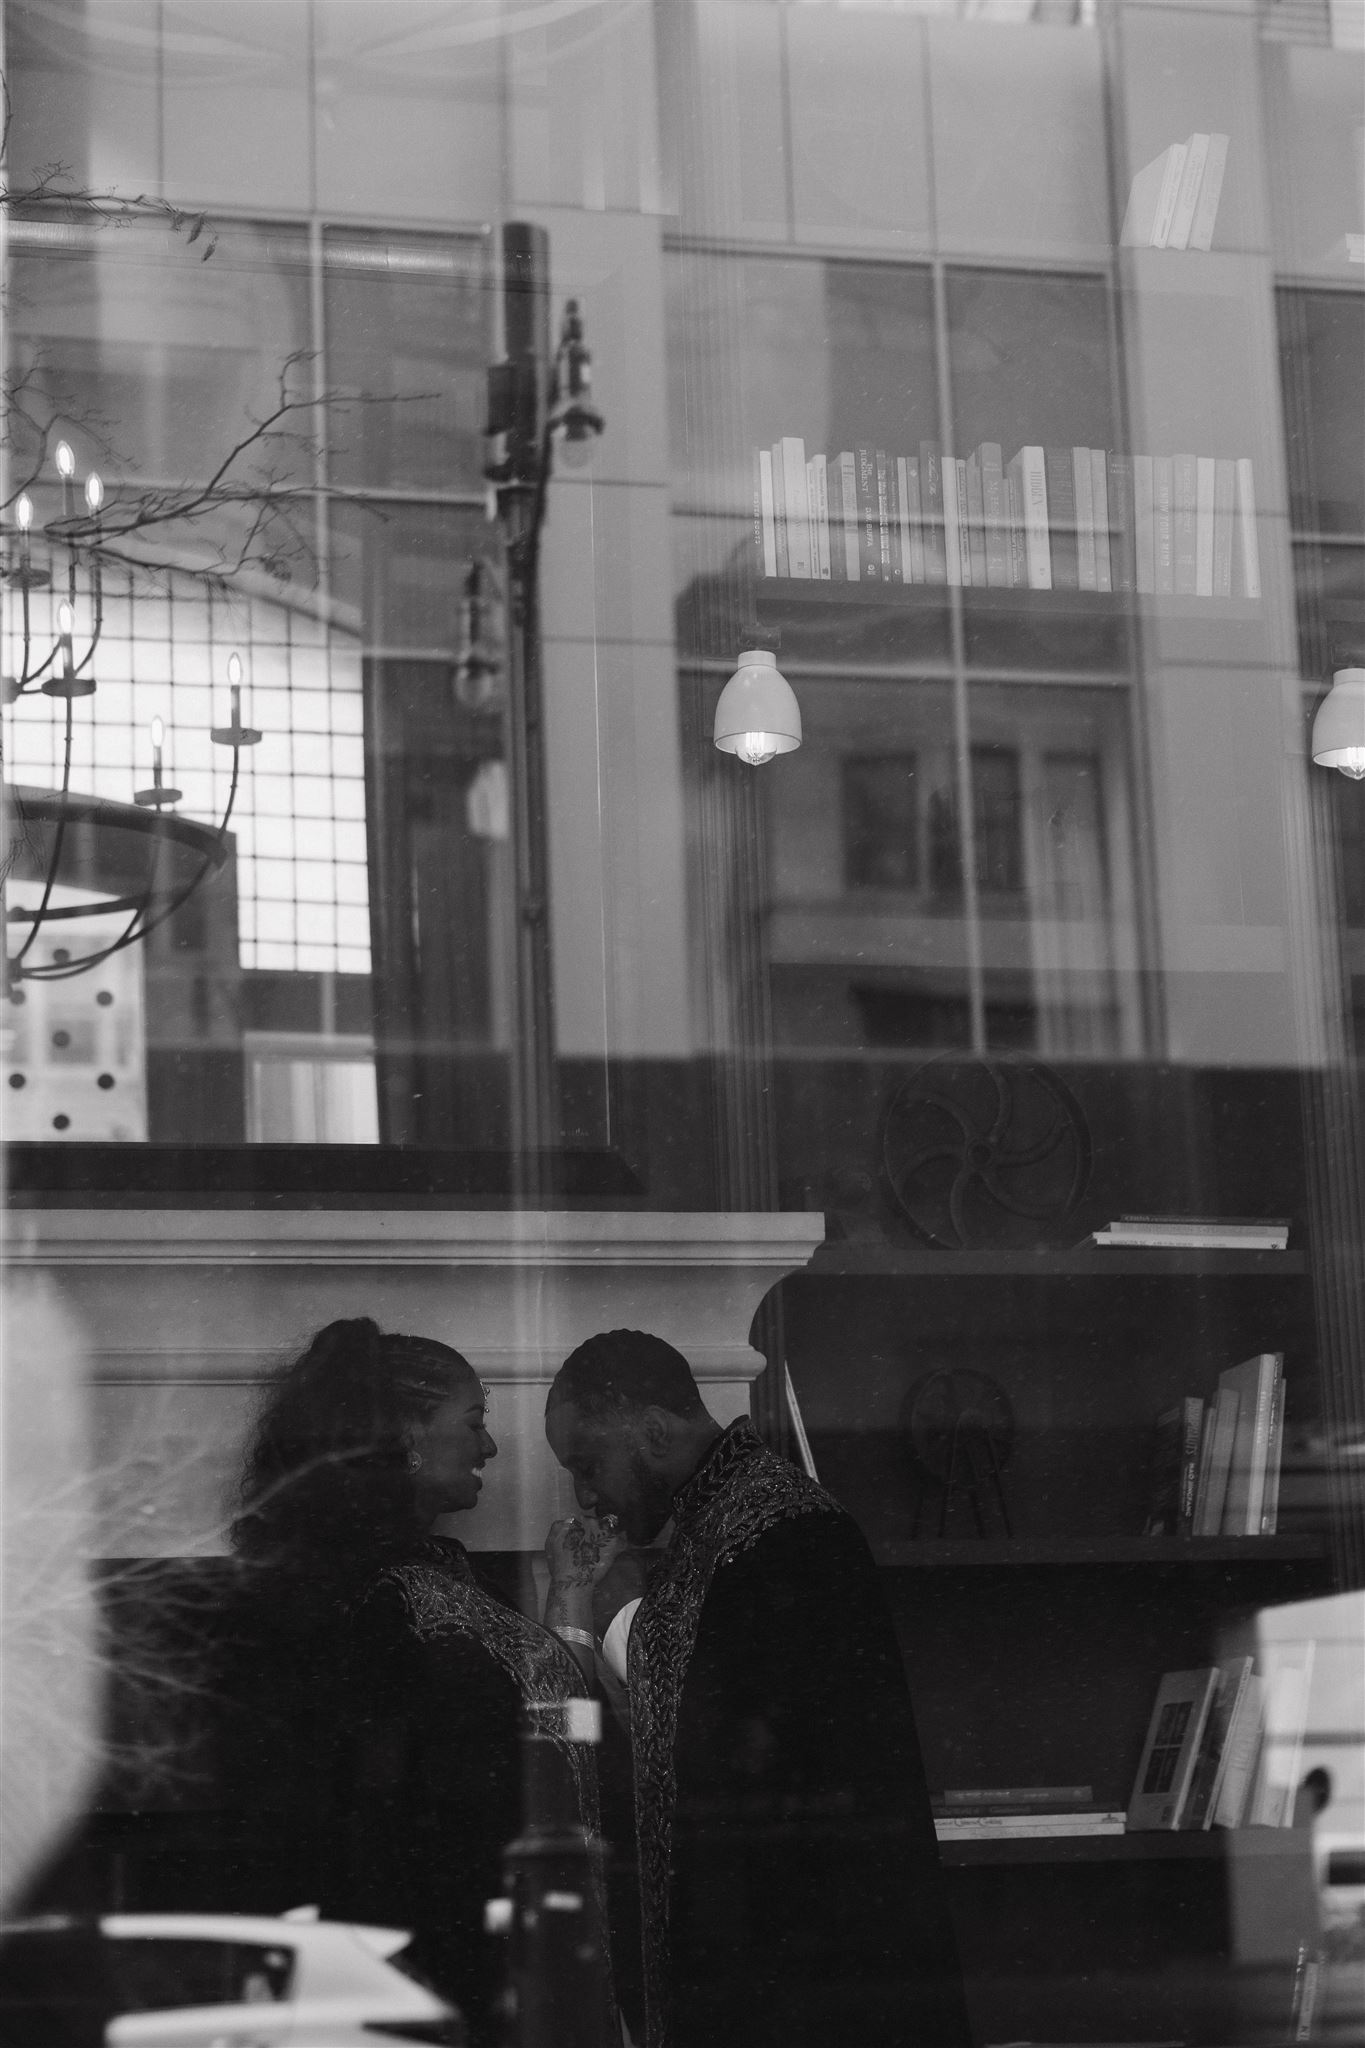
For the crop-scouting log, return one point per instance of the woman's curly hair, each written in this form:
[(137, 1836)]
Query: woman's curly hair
[(326, 1487)]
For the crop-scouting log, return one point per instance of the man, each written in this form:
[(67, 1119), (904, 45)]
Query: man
[(789, 1877)]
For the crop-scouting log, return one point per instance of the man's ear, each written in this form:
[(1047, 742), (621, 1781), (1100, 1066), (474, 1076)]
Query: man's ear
[(656, 1432)]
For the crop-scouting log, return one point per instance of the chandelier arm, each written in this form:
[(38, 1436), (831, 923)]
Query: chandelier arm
[(50, 880), (140, 924), (97, 590)]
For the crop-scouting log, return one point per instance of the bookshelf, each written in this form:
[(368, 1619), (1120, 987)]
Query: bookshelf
[(994, 301)]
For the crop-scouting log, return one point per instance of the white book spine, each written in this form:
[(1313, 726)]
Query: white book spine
[(1247, 551), (848, 475), (903, 517), (765, 500), (1203, 526), (1030, 472), (1210, 192), (1085, 520), (1099, 485), (818, 485), (1182, 220), (797, 496), (1170, 193), (952, 523)]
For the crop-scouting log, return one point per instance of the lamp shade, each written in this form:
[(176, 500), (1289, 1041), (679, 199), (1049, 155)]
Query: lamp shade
[(757, 714), (1339, 726)]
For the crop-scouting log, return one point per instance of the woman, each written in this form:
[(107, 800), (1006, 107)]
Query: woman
[(398, 1680)]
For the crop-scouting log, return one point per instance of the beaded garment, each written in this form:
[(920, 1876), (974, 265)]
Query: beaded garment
[(740, 1492)]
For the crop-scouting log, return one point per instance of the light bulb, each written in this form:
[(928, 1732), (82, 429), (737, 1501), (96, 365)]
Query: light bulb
[(756, 747), (1351, 761), (23, 512), (94, 491), (158, 734), (66, 461), (66, 619), (234, 669)]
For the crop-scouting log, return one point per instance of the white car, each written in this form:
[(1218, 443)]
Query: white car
[(220, 1980)]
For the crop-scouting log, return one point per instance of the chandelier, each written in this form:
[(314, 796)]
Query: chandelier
[(75, 859)]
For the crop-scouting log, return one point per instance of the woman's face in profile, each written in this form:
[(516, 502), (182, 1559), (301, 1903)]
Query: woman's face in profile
[(453, 1444)]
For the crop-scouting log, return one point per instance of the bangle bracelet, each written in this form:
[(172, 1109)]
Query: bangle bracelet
[(577, 1635)]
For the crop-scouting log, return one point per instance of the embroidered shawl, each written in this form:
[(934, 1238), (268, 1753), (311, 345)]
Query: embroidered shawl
[(443, 1600), (740, 1492)]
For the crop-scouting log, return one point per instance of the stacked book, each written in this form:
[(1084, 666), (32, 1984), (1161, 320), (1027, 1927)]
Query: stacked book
[(1022, 1813), (1049, 518), (1216, 1462), (1224, 1745), (1173, 201), (1199, 1233)]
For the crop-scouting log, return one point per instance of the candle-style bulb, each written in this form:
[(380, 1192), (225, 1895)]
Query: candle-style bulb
[(158, 735), (66, 619), (23, 512), (234, 669), (66, 461), (94, 491)]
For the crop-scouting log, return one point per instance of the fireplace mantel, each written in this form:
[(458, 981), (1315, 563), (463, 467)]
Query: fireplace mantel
[(185, 1313)]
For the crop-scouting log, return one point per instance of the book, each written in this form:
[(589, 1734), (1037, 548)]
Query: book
[(1151, 200), (1191, 178), (818, 494), (1038, 1827), (1122, 550), (1029, 471), (1156, 1236), (1009, 1798), (1099, 485), (1196, 1227), (1144, 527), (796, 500), (1224, 488), (1203, 525), (1270, 1500), (783, 551), (1018, 555), (1213, 1486), (952, 524), (1254, 1382), (1171, 1751), (1288, 1673), (915, 520), (1237, 1764), (1210, 192), (1184, 523), (995, 510), (834, 496), (1061, 508), (976, 517), (1233, 1674), (888, 525), (1163, 533), (847, 466), (1174, 1468), (869, 517), (767, 536), (1246, 560), (931, 512), (1083, 484)]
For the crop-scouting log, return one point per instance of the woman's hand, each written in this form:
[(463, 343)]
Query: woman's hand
[(581, 1550)]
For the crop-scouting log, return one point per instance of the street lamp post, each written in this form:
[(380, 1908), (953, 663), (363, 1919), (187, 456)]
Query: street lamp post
[(534, 400)]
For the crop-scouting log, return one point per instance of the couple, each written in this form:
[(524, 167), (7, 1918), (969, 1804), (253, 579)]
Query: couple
[(788, 1876)]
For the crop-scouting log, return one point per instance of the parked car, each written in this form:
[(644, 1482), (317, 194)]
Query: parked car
[(214, 1980)]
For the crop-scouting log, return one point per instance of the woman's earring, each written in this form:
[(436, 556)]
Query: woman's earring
[(414, 1461)]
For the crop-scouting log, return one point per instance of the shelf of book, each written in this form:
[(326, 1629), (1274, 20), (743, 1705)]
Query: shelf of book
[(1196, 1845), (784, 592), (1164, 1553), (1081, 1262)]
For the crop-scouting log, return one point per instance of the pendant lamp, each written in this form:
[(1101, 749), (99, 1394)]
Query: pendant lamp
[(757, 715), (1339, 726)]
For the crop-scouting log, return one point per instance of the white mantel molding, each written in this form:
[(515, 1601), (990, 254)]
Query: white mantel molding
[(410, 1237), (187, 1312)]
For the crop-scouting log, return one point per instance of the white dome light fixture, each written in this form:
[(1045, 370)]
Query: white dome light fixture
[(1339, 725), (757, 715)]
